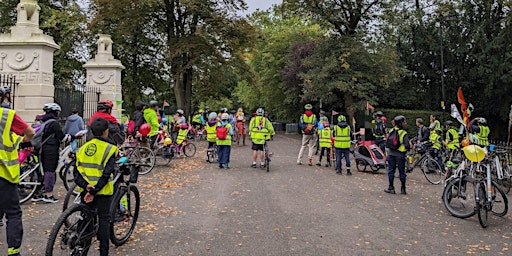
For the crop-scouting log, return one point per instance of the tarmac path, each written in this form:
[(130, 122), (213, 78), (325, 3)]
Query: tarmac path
[(193, 208)]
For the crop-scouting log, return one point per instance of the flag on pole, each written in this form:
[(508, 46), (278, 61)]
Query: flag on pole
[(455, 114), (463, 107), (334, 113), (368, 106), (166, 104)]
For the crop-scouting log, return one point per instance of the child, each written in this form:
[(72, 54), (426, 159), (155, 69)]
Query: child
[(182, 135), (224, 131), (211, 127), (342, 134), (324, 138), (96, 184), (240, 124)]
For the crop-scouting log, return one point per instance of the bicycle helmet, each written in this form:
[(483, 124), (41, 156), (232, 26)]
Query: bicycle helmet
[(379, 113), (342, 118), (322, 112), (164, 120), (326, 123), (259, 111), (167, 141), (105, 104), (223, 110), (4, 90), (180, 111), (224, 116), (308, 106), (153, 103), (212, 116), (207, 108), (449, 123), (399, 121), (482, 120), (48, 107), (233, 111)]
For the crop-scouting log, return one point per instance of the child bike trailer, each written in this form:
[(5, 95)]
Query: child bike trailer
[(367, 154)]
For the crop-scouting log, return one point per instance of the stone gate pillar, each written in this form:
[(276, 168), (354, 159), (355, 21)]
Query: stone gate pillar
[(104, 72), (27, 53)]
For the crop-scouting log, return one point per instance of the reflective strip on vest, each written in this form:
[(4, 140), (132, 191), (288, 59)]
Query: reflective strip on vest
[(9, 164), (401, 137), (482, 136), (211, 136), (454, 143), (91, 161), (259, 136), (325, 138), (341, 137), (182, 135)]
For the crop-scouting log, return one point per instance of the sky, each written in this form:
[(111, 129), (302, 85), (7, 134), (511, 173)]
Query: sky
[(260, 4)]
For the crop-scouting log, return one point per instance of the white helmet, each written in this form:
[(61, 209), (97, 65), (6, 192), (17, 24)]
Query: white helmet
[(180, 111), (224, 116), (51, 107), (259, 111), (212, 116)]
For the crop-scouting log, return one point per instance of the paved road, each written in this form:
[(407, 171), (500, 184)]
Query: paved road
[(193, 208)]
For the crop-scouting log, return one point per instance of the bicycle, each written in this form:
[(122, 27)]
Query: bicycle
[(134, 151), (66, 170), (211, 154), (72, 233), (500, 170), (422, 156), (459, 192), (267, 154), (489, 195), (31, 178)]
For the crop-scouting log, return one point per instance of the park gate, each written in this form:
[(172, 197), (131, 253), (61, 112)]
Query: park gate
[(9, 81), (84, 100)]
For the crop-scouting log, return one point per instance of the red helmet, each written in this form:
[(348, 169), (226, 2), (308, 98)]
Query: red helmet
[(144, 129), (105, 104), (159, 119)]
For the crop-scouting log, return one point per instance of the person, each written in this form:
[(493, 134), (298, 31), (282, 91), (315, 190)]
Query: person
[(138, 117), (434, 123), (211, 127), (180, 117), (95, 165), (182, 135), (396, 157), (104, 110), (240, 125), (224, 131), (261, 130), (324, 138), (198, 120), (423, 133), (49, 152), (342, 134), (452, 136), (436, 138), (10, 174), (480, 131), (74, 124), (379, 130), (5, 99), (308, 125), (321, 120), (206, 113), (151, 117)]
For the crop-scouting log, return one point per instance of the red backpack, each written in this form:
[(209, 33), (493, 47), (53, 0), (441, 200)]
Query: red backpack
[(222, 132)]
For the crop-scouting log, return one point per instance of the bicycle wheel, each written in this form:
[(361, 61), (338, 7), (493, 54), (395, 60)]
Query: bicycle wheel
[(506, 181), (460, 202), (30, 182), (267, 158), (500, 200), (189, 149), (72, 197), (124, 212), (432, 171), (142, 155), (361, 165), (72, 233), (482, 205), (66, 175), (159, 158)]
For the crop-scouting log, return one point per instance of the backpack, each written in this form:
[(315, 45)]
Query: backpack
[(131, 127), (222, 132), (393, 141), (380, 127), (37, 141), (309, 129)]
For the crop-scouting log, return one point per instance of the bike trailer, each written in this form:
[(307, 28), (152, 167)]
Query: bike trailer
[(367, 153)]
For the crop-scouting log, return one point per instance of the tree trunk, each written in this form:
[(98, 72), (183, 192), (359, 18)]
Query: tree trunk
[(349, 107)]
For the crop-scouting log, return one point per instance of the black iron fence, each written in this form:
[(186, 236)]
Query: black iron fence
[(84, 100), (9, 81)]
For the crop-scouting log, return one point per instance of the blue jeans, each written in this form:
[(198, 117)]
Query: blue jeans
[(223, 151), (394, 162), (346, 153)]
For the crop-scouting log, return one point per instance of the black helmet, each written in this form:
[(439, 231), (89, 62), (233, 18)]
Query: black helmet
[(448, 122), (153, 103), (399, 121), (379, 113)]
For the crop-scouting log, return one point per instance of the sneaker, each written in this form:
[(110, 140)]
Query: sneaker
[(220, 166), (253, 165), (50, 199), (226, 166), (37, 198), (262, 166), (339, 172), (318, 164), (349, 173), (326, 165), (299, 163)]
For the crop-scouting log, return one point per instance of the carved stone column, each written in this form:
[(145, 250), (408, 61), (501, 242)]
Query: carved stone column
[(27, 53), (104, 72)]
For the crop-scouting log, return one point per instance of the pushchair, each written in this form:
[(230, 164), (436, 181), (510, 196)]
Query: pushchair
[(368, 154)]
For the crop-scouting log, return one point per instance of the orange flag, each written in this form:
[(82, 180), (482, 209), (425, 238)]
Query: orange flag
[(463, 104)]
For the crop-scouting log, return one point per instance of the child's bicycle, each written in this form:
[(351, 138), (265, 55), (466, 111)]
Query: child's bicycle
[(31, 176), (211, 154), (72, 233)]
